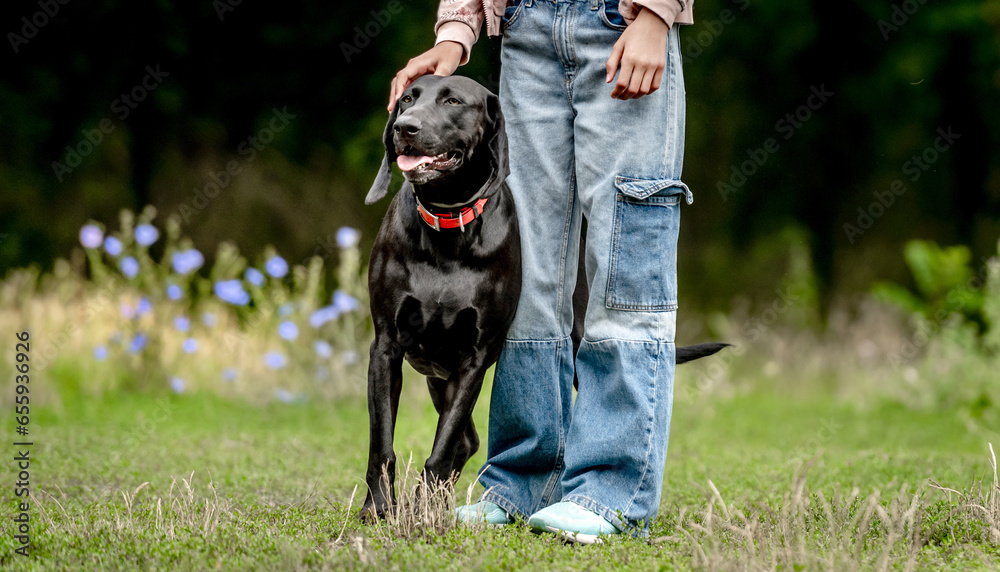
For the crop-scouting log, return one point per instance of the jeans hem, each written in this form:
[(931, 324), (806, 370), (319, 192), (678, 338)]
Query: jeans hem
[(512, 511)]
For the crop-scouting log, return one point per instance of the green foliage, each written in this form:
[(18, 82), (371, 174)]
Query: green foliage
[(946, 283)]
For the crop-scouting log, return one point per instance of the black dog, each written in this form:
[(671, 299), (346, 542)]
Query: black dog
[(445, 271)]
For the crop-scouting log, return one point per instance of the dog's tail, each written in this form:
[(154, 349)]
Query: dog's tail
[(691, 353)]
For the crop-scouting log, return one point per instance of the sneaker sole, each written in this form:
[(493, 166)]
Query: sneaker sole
[(576, 537)]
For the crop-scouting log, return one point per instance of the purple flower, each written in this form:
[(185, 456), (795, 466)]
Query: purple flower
[(177, 384), (323, 315), (187, 261), (146, 234), (190, 345), (144, 307), (284, 396), (254, 276), (182, 323), (229, 374), (275, 360), (344, 302), (129, 267), (138, 342), (348, 237), (322, 348), (91, 236), (128, 312), (112, 246), (101, 353), (288, 330), (232, 291), (276, 267), (175, 292)]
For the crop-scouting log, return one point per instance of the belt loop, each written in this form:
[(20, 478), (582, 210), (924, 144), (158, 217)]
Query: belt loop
[(593, 4)]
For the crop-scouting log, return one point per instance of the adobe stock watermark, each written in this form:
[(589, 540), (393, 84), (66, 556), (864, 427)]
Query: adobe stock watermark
[(121, 108), (247, 149), (914, 167), (710, 31), (899, 17), (30, 26), (787, 126), (363, 35), (751, 330), (224, 7)]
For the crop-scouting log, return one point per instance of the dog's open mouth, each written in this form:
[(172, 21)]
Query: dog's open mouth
[(412, 160)]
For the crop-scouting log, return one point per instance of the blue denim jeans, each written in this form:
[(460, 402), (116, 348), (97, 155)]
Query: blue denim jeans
[(575, 152)]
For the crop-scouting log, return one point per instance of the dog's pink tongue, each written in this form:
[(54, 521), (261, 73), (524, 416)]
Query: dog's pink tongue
[(410, 162)]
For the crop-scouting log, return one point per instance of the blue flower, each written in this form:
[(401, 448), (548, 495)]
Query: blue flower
[(91, 236), (232, 291), (284, 396), (254, 276), (175, 292), (349, 357), (101, 353), (187, 261), (323, 315), (209, 319), (344, 302), (129, 267), (275, 360), (177, 384), (322, 348), (138, 342), (112, 246), (144, 307), (288, 330), (229, 374), (190, 345), (182, 323), (146, 234), (276, 267), (348, 237)]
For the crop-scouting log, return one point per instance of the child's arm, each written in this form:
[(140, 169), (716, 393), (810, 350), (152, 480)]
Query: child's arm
[(457, 29)]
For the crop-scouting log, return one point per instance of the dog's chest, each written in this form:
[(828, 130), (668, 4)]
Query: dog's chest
[(439, 319)]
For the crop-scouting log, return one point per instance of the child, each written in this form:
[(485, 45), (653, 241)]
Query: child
[(580, 147)]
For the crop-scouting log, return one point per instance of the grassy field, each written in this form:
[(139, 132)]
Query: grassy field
[(194, 481), (186, 418)]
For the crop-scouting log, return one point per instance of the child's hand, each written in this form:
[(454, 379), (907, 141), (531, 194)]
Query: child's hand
[(442, 59), (641, 51)]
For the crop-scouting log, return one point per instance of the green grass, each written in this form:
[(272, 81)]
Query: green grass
[(271, 486)]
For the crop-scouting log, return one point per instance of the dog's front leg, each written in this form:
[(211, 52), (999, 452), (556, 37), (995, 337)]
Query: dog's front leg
[(385, 379), (456, 413)]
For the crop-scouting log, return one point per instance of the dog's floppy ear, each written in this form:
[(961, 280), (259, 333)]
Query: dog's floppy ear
[(381, 185), (497, 139)]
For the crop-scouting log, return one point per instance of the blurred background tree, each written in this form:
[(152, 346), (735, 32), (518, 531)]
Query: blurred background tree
[(802, 116)]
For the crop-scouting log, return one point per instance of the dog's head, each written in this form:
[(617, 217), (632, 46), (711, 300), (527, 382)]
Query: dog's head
[(438, 129)]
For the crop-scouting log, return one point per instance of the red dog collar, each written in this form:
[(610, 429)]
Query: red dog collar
[(451, 220)]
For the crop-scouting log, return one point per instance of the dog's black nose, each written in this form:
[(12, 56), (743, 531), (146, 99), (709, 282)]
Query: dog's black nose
[(407, 125)]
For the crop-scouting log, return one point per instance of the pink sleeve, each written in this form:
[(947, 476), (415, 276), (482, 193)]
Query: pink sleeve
[(459, 21), (671, 11)]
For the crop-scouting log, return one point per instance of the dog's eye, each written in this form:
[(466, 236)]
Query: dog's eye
[(406, 99), (452, 101)]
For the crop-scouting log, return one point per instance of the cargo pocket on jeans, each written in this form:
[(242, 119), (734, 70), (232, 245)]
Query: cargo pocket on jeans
[(643, 267)]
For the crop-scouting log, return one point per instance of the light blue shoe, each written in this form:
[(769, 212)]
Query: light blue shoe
[(572, 522), (483, 511)]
